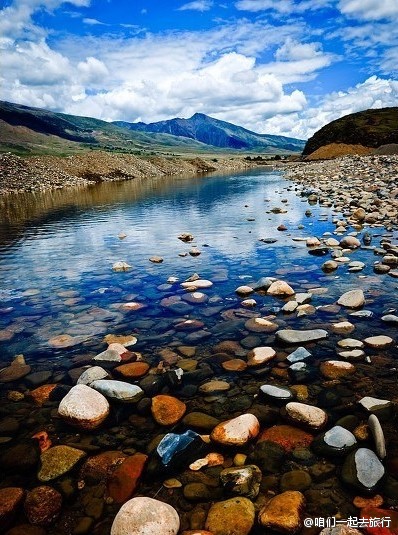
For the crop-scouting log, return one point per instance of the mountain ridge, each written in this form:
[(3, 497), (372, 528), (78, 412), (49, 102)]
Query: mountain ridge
[(215, 132)]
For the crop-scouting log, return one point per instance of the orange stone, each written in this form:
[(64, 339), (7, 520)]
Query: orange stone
[(97, 469), (124, 479), (386, 528), (234, 365), (10, 499), (283, 513), (41, 394), (374, 501), (287, 436), (167, 410), (133, 369)]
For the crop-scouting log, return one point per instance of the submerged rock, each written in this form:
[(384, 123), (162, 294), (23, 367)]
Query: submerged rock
[(283, 513), (307, 415), (231, 517), (84, 407), (118, 390), (362, 470), (58, 461), (352, 299), (291, 336), (244, 481), (176, 450), (336, 441), (236, 432), (146, 516)]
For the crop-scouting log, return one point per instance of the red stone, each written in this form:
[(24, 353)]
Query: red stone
[(41, 394), (377, 513), (99, 468), (44, 441), (287, 436), (10, 499), (133, 369), (125, 478), (43, 505)]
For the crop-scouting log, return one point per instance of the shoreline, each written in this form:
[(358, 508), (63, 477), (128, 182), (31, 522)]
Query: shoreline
[(44, 173)]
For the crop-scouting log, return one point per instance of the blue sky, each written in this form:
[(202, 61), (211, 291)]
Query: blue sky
[(274, 66)]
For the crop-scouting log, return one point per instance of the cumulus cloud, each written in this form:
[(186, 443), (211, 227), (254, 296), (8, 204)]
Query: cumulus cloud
[(197, 5), (373, 93), (370, 9)]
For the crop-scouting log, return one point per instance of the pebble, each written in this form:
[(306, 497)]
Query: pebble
[(231, 517), (118, 390), (337, 441), (291, 336), (298, 355), (43, 505), (84, 407), (57, 461), (167, 410), (92, 374), (260, 325), (260, 355), (283, 513), (146, 516), (286, 436), (10, 499), (280, 288), (334, 369), (236, 432), (378, 342), (276, 393), (213, 387), (124, 479), (243, 481), (362, 470), (308, 415), (378, 435), (352, 299), (244, 290)]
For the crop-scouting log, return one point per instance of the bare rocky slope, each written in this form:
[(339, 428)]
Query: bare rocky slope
[(51, 172)]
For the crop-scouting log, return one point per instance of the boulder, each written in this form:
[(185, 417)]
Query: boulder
[(84, 407), (146, 516)]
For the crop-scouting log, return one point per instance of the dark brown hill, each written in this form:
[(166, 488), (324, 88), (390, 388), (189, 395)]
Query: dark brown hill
[(369, 128)]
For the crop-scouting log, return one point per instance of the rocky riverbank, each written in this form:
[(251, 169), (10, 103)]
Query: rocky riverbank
[(364, 185), (42, 173)]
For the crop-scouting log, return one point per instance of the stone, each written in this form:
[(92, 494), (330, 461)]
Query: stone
[(213, 387), (378, 435), (231, 517), (374, 404), (291, 336), (350, 343), (352, 299), (84, 407), (10, 500), (92, 374), (118, 390), (280, 288), (156, 259), (133, 370), (244, 290), (329, 266), (350, 242), (146, 516), (276, 393), (259, 325), (20, 458), (234, 365), (390, 318), (362, 470), (175, 450), (43, 505), (197, 284), (236, 432), (283, 513), (96, 469), (124, 479), (243, 481), (109, 355), (298, 355), (14, 372), (343, 327), (290, 307), (260, 355), (378, 342), (197, 492), (58, 461), (287, 436), (312, 417), (167, 410), (337, 441), (334, 369), (121, 266), (200, 420), (295, 480), (42, 394), (312, 242)]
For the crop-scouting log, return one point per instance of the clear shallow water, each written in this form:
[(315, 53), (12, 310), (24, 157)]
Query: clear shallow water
[(57, 251)]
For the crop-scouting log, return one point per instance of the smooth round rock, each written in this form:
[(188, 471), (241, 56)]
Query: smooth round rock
[(334, 369), (146, 516), (283, 513), (260, 325), (260, 355), (378, 342), (291, 336), (92, 374), (84, 407), (307, 415), (336, 441), (352, 299), (167, 410), (378, 435), (244, 290), (213, 387), (362, 470), (277, 393), (280, 288), (231, 517), (10, 499), (236, 432)]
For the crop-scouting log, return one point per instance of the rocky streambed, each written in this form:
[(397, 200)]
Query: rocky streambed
[(275, 413)]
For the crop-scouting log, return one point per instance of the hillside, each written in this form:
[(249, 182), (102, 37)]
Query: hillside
[(210, 131), (27, 130), (370, 128)]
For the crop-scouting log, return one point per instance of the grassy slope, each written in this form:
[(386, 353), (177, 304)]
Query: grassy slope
[(370, 128)]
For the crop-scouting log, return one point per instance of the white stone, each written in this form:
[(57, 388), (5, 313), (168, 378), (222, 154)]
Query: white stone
[(118, 390), (84, 407), (280, 288), (260, 355), (371, 404), (378, 435), (199, 283), (352, 299), (146, 516), (244, 290), (369, 468), (236, 432), (92, 374), (306, 414), (121, 266), (378, 342), (339, 437)]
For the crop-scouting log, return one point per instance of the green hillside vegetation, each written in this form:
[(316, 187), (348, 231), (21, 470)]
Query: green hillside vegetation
[(370, 128)]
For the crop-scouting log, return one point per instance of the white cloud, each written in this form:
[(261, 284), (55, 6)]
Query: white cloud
[(370, 9), (373, 93), (197, 5), (92, 70), (93, 22), (282, 6)]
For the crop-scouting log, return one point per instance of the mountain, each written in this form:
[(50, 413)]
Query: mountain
[(369, 128), (205, 129), (27, 130)]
